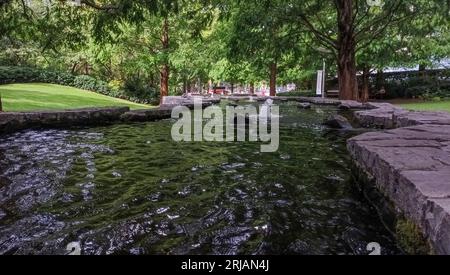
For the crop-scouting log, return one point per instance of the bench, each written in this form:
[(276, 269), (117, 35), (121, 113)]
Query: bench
[(332, 93)]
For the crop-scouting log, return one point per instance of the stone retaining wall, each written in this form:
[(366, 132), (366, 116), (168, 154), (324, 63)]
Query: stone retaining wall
[(410, 165), (16, 121), (387, 116)]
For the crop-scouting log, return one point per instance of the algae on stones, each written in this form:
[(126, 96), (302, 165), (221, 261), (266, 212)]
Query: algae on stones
[(411, 239)]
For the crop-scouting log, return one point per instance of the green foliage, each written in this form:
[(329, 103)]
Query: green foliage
[(27, 74), (411, 239), (427, 88), (85, 82), (232, 41), (10, 75), (18, 74)]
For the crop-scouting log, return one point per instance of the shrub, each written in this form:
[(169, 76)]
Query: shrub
[(418, 87), (18, 74), (85, 82), (27, 74), (66, 79)]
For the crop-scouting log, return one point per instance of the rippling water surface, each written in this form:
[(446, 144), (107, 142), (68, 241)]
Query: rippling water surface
[(128, 189)]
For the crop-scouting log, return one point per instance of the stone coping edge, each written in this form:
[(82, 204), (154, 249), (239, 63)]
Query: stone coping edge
[(16, 121), (410, 164)]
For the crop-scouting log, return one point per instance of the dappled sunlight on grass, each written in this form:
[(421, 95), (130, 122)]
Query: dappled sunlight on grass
[(40, 96)]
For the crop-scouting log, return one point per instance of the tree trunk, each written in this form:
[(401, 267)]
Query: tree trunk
[(199, 84), (348, 83), (273, 79), (252, 88), (380, 80), (165, 69), (184, 86), (188, 86), (422, 71), (365, 84), (74, 67), (1, 105)]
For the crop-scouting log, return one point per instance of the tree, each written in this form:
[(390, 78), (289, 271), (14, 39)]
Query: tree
[(259, 36), (420, 40), (136, 12), (348, 26)]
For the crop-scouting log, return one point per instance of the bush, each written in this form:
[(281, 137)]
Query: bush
[(85, 82), (18, 74), (27, 74), (135, 88), (418, 87)]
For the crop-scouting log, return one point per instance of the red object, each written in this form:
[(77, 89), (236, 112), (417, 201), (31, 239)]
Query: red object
[(219, 91)]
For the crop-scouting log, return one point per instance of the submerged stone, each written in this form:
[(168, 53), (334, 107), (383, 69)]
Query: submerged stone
[(338, 122), (304, 105)]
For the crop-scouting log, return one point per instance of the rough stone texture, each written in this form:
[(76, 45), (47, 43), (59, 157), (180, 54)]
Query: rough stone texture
[(241, 98), (169, 102), (14, 121), (418, 118), (410, 165), (304, 105), (350, 104), (319, 101), (146, 115), (338, 122), (380, 115), (387, 116), (164, 112)]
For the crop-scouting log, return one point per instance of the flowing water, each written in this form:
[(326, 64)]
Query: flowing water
[(129, 189)]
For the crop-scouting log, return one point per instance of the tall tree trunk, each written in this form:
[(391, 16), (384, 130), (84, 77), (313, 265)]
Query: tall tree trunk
[(422, 70), (380, 80), (74, 67), (1, 104), (365, 84), (273, 79), (165, 69), (252, 88), (199, 84), (188, 86), (185, 86), (348, 83)]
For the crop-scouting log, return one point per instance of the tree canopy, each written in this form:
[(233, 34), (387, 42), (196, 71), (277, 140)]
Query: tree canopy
[(171, 47)]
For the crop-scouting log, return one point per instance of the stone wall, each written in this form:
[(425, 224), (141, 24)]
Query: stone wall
[(172, 101), (411, 165), (387, 116), (16, 121)]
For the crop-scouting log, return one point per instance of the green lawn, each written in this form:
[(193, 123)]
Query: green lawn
[(428, 106), (39, 96)]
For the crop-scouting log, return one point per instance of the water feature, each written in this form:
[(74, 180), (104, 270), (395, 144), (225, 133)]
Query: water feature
[(129, 189)]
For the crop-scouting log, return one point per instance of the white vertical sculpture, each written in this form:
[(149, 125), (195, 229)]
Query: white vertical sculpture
[(319, 86)]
